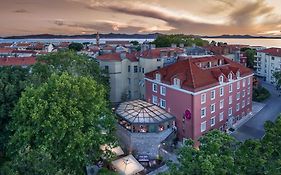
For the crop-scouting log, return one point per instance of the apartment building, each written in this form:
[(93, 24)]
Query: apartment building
[(127, 70), (202, 93), (267, 62)]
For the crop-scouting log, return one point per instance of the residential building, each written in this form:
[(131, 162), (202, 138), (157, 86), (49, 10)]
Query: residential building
[(127, 70), (267, 62), (201, 93)]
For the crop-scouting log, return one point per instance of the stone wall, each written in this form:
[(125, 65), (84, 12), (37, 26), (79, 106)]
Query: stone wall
[(142, 143)]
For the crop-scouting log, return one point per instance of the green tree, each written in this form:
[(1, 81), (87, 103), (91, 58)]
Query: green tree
[(214, 156), (12, 83), (67, 117), (250, 54), (167, 40), (135, 43), (76, 47), (70, 62)]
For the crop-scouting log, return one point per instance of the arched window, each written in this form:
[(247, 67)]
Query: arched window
[(177, 82), (221, 79), (230, 76), (158, 77)]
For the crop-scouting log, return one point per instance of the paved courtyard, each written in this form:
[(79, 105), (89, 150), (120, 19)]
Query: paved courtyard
[(254, 127)]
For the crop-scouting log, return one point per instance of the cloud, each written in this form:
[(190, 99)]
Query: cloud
[(20, 11)]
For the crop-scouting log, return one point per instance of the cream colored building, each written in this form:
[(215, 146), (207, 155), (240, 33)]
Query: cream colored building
[(267, 62), (127, 70)]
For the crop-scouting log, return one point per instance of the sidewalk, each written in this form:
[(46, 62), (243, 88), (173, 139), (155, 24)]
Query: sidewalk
[(256, 107)]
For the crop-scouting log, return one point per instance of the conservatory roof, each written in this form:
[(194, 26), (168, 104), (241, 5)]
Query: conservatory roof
[(141, 112)]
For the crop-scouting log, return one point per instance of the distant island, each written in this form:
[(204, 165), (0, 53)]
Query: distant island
[(126, 36)]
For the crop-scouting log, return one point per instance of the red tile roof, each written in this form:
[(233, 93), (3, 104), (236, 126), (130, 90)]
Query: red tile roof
[(117, 57), (5, 45), (195, 78), (272, 51), (24, 51), (17, 61), (117, 42), (23, 44), (156, 53), (6, 50)]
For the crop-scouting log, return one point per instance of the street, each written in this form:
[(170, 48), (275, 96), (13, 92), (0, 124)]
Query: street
[(254, 128)]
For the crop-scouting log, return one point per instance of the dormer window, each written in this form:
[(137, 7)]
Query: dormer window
[(209, 64), (238, 74), (177, 82), (230, 76), (221, 79), (158, 77)]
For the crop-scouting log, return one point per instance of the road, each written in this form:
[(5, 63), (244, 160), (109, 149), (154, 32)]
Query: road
[(254, 128)]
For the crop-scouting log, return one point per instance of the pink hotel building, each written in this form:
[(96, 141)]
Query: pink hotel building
[(202, 93)]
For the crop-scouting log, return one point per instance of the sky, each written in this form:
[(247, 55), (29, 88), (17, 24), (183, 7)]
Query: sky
[(198, 17)]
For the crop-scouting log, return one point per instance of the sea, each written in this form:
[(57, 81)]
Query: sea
[(252, 42), (82, 40)]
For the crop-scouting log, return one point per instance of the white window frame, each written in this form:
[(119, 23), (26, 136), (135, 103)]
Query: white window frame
[(248, 101), (238, 84), (213, 121), (230, 88), (230, 77), (163, 90), (243, 93), (221, 117), (243, 104), (221, 79), (213, 92), (158, 77), (221, 91), (238, 96), (154, 99), (213, 106), (249, 80), (221, 103), (154, 87), (203, 98), (230, 113), (237, 107), (244, 82), (203, 126), (205, 111), (161, 105), (177, 82), (249, 91), (230, 99)]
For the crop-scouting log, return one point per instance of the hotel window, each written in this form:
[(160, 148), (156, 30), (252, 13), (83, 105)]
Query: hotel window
[(203, 98), (154, 100), (213, 94), (221, 79), (229, 111), (163, 103), (213, 108), (230, 99), (238, 96), (243, 103), (230, 88), (249, 80), (154, 87), (177, 82), (230, 76), (237, 107), (213, 121), (221, 116), (244, 82), (249, 91), (203, 126), (243, 93), (129, 68), (238, 74), (158, 77), (238, 84), (221, 91), (203, 112), (163, 90), (221, 104), (135, 69)]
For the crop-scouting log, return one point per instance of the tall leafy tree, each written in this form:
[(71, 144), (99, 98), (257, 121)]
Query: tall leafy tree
[(67, 61), (12, 83), (76, 46), (66, 119), (250, 54), (277, 76)]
